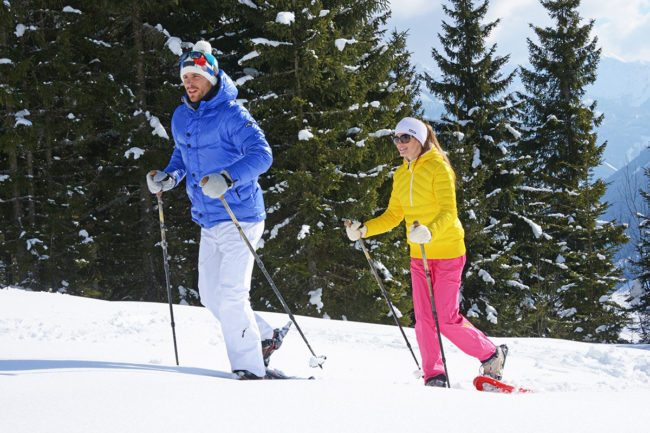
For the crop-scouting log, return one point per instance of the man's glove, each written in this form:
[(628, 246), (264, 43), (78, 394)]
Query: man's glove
[(216, 184), (159, 181), (355, 230), (419, 234)]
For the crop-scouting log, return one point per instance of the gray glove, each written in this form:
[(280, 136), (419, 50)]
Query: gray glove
[(215, 185), (159, 181)]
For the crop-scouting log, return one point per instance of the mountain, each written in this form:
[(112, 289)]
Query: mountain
[(622, 91), (80, 365), (625, 201)]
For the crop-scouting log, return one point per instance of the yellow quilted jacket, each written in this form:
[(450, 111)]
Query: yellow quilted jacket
[(424, 191)]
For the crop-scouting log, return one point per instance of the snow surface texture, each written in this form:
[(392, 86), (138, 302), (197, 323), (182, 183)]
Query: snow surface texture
[(73, 364)]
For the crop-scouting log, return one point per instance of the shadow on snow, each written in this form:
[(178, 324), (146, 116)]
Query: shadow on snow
[(12, 367)]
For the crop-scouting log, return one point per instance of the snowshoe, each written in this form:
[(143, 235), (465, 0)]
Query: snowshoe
[(272, 373), (246, 375)]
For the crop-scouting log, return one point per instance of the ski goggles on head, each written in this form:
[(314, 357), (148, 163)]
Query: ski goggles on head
[(205, 61), (404, 138)]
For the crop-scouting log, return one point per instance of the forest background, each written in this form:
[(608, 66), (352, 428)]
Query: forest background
[(87, 90)]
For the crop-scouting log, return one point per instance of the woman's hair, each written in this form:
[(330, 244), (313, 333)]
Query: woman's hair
[(432, 142)]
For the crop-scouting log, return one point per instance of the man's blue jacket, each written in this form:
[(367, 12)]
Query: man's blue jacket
[(220, 135)]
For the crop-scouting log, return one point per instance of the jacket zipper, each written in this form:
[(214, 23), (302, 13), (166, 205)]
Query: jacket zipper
[(412, 170)]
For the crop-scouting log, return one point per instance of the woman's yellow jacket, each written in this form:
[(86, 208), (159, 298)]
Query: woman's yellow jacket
[(424, 191)]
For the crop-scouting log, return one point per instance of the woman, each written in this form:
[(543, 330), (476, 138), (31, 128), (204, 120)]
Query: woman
[(424, 192)]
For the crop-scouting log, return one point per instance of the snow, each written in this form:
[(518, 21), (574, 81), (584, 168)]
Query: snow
[(100, 43), (305, 135), (87, 239), (285, 18), (264, 41), (20, 118), (71, 10), (248, 3), (136, 152), (513, 131), (381, 133), (304, 231), (242, 80), (316, 298), (30, 243), (486, 277), (476, 160), (248, 56), (536, 228), (277, 227), (21, 29), (79, 365), (341, 43), (175, 45)]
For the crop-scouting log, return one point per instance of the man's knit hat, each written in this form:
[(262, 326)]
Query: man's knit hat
[(200, 61)]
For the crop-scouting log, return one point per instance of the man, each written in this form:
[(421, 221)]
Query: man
[(220, 151)]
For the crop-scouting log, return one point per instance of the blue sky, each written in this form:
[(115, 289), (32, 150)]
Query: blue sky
[(622, 26)]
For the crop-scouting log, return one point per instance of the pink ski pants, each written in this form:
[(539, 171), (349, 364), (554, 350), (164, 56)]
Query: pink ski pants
[(445, 277)]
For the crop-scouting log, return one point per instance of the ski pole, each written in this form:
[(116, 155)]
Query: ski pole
[(316, 360), (433, 306), (163, 243), (373, 270)]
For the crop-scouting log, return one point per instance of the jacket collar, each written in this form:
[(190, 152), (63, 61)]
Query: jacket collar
[(226, 92), (429, 154)]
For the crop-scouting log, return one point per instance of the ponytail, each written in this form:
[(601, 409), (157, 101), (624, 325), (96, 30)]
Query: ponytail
[(432, 143)]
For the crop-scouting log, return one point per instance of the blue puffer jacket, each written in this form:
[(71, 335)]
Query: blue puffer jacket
[(220, 135)]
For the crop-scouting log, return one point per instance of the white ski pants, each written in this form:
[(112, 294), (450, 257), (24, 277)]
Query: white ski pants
[(225, 271)]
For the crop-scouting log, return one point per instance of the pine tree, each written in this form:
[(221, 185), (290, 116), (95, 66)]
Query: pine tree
[(570, 266), (43, 236), (639, 298), (476, 131), (96, 79), (326, 88)]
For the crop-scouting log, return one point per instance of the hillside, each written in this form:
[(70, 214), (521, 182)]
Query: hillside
[(74, 364)]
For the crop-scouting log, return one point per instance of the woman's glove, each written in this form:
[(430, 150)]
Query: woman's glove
[(419, 234), (216, 184), (355, 230), (159, 181)]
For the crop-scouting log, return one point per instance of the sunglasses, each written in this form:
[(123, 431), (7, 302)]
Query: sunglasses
[(404, 138)]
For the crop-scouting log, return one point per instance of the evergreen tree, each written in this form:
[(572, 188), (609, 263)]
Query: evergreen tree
[(569, 267), (326, 88), (99, 84), (476, 130), (639, 298), (43, 237)]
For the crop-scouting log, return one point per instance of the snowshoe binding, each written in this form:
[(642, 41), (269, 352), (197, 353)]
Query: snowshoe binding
[(272, 344), (493, 366), (439, 381)]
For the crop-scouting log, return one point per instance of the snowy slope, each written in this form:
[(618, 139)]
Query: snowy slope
[(72, 364)]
